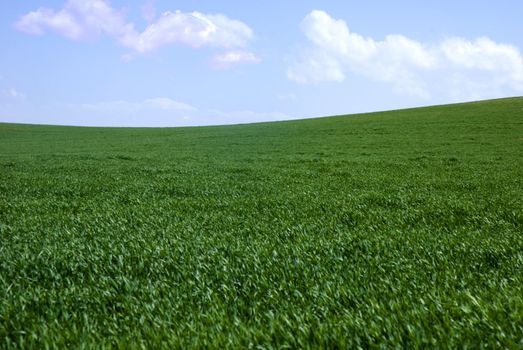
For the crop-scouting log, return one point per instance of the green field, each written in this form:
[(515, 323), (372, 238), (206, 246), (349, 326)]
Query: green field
[(392, 229)]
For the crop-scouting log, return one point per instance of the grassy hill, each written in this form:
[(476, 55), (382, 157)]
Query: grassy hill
[(401, 228)]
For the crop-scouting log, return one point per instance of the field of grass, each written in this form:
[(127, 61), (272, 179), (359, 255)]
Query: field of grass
[(400, 228)]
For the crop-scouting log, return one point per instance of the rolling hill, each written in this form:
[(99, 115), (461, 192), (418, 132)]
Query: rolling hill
[(400, 228)]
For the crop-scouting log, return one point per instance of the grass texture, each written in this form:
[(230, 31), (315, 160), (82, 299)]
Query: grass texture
[(394, 229)]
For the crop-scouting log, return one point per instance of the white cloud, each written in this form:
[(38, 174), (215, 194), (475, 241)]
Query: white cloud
[(168, 104), (87, 19), (13, 94), (192, 29), (148, 105), (316, 66), (335, 51), (230, 58), (159, 111), (228, 33), (78, 20), (486, 55)]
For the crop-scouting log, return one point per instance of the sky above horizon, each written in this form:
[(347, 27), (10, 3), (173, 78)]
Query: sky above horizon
[(179, 62)]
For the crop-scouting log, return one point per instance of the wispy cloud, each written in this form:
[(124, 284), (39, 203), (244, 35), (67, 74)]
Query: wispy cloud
[(167, 104), (160, 111), (89, 19), (334, 51), (138, 108), (287, 97), (13, 94), (78, 20), (232, 58)]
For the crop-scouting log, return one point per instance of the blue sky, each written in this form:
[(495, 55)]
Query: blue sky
[(174, 63)]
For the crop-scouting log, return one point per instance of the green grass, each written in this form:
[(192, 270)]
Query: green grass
[(393, 229)]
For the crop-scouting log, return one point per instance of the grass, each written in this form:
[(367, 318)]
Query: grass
[(392, 229)]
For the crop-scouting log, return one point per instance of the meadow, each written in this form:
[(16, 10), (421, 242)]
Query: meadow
[(391, 229)]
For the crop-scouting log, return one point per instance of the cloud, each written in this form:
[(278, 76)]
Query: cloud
[(78, 20), (230, 58), (89, 19), (149, 105), (485, 55), (168, 104), (158, 111), (13, 94), (334, 51), (192, 29)]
